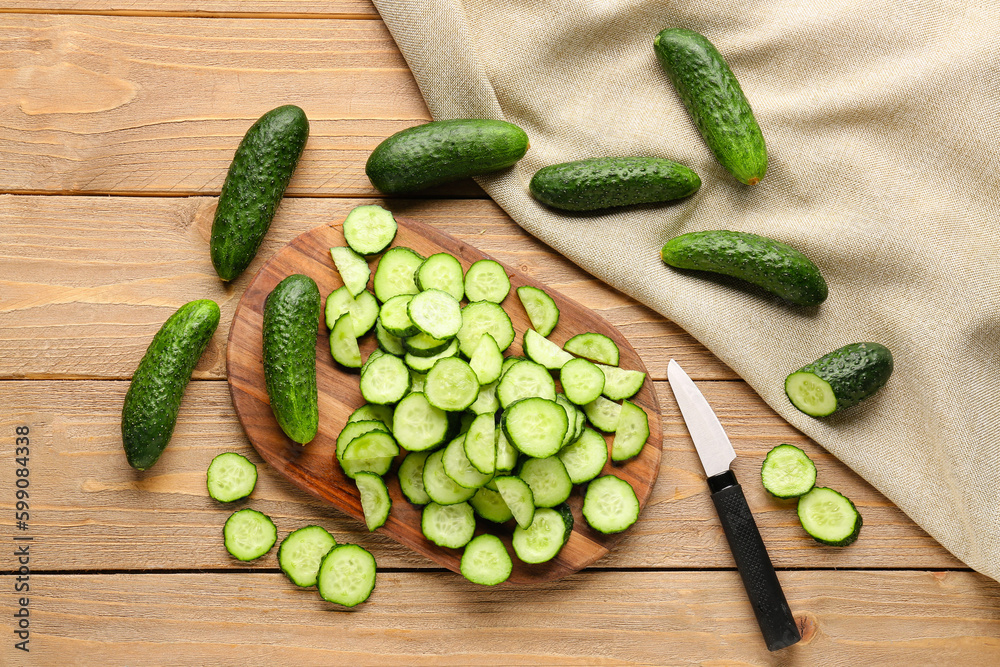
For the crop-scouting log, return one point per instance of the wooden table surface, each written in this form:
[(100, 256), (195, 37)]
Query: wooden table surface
[(117, 125)]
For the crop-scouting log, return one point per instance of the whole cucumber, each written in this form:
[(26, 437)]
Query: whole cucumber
[(290, 328), (442, 151), (596, 183), (257, 178), (153, 400), (772, 265), (715, 101), (839, 379)]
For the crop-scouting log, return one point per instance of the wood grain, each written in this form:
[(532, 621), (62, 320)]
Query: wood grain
[(85, 282), (93, 512), (312, 467), (431, 619), (271, 8)]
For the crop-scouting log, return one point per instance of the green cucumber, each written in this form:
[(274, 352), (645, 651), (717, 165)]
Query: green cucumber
[(840, 379), (256, 182), (149, 413), (291, 324), (606, 182), (715, 101), (442, 151), (771, 265)]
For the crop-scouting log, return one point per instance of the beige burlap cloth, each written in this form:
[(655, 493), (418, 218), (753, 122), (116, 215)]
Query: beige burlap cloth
[(882, 122)]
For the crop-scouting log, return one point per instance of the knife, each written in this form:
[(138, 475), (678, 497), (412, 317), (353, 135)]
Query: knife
[(775, 619)]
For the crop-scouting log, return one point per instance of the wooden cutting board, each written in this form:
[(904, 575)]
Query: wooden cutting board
[(312, 468)]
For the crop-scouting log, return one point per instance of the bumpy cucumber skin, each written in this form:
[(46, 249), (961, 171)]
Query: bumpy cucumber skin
[(149, 413), (291, 323), (769, 264), (257, 178), (442, 151), (715, 101), (854, 372), (597, 183)]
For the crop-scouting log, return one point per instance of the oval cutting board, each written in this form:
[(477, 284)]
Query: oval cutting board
[(311, 467)]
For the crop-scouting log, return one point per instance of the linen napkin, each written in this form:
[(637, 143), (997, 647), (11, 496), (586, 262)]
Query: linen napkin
[(881, 120)]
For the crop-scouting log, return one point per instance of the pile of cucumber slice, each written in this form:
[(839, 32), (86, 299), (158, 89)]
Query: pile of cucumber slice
[(489, 438)]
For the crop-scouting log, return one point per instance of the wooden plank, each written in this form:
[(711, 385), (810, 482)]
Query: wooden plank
[(158, 105), (87, 504), (432, 618), (240, 8), (85, 282)]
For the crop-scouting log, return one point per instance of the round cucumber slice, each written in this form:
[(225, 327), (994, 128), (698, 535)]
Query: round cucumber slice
[(787, 472), (610, 504), (231, 476), (485, 561), (249, 534), (346, 575), (829, 517)]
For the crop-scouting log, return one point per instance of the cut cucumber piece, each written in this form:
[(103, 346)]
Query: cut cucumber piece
[(344, 343), (486, 280), (353, 429), (372, 411), (436, 312), (249, 534), (549, 482), (543, 540), (542, 310), (369, 229), (424, 364), (482, 317), (506, 454), (459, 468), (594, 346), (787, 472), (535, 426), (487, 360), (422, 345), (411, 478), (840, 379), (620, 383), (394, 316), (363, 309), (610, 505), (603, 414), (451, 385), (231, 476), (417, 425), (444, 272), (439, 487), (480, 444), (374, 444), (585, 457), (450, 526), (541, 350), (394, 273), (525, 379), (375, 500), (571, 418), (631, 434), (581, 380), (353, 269), (489, 504), (302, 551), (485, 561), (387, 342), (346, 575), (385, 380), (517, 496), (486, 401), (829, 517)]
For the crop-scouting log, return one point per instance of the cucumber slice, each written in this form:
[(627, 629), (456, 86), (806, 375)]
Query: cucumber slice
[(595, 347), (486, 280), (442, 271), (829, 517), (525, 379), (631, 434), (541, 350), (394, 273), (363, 309), (451, 385), (344, 343), (581, 380), (249, 534), (610, 504), (487, 360), (542, 310), (543, 540), (353, 429), (549, 482), (480, 444), (374, 444), (375, 500), (436, 312), (459, 468), (417, 425), (535, 426), (603, 414), (369, 229), (425, 364), (585, 457), (571, 419), (787, 472), (482, 317), (346, 575), (302, 551), (411, 478), (386, 380), (486, 401), (441, 488), (352, 267), (422, 345), (489, 504), (230, 476), (517, 496), (620, 383), (840, 379), (372, 411), (450, 526), (394, 316), (387, 342), (485, 561), (506, 454)]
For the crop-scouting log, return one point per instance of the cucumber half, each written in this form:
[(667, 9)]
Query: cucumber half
[(829, 517), (839, 379)]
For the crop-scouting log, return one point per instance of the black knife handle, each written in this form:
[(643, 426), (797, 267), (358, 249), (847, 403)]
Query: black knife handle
[(769, 605)]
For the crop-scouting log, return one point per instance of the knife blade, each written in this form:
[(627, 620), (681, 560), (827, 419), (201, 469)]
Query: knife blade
[(777, 625)]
